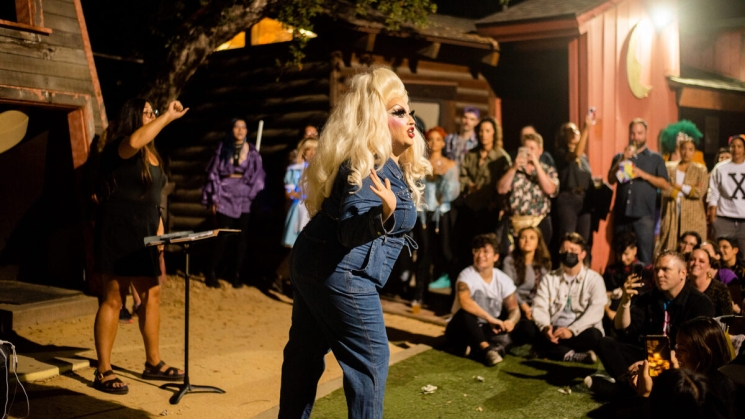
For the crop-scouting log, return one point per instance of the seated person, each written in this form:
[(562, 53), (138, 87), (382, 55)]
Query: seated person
[(659, 312), (568, 307), (730, 251), (688, 240), (528, 263), (699, 265), (723, 275), (701, 347), (624, 246), (483, 294)]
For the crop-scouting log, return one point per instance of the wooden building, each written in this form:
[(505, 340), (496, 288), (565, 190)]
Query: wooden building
[(46, 72), (564, 56), (441, 67)]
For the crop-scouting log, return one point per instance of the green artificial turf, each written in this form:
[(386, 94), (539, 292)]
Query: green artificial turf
[(515, 388)]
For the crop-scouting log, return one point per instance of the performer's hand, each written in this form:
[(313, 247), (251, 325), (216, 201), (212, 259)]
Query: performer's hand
[(213, 209), (385, 193)]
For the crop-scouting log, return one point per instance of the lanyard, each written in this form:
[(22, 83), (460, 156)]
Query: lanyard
[(666, 323)]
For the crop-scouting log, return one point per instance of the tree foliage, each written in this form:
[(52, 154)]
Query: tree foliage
[(175, 37)]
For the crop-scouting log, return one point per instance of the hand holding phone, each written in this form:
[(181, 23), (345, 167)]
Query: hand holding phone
[(658, 354), (591, 116), (522, 157)]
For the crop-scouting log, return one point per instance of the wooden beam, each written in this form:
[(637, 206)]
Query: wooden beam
[(717, 100), (98, 96), (366, 42), (79, 141), (491, 59), (531, 30), (430, 51), (574, 74), (25, 27)]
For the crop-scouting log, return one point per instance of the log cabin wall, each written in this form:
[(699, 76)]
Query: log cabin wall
[(245, 83), (47, 72), (452, 87), (53, 56)]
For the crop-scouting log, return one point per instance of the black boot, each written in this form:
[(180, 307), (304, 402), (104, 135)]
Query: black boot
[(211, 280)]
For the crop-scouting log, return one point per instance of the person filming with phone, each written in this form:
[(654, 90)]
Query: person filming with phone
[(701, 348), (530, 185), (658, 312)]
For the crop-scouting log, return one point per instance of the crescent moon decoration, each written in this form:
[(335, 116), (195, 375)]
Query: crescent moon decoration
[(633, 66), (13, 125)]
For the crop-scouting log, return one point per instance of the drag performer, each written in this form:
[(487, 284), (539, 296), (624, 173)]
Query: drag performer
[(362, 190)]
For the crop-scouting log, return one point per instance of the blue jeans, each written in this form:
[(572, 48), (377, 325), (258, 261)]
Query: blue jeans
[(644, 229), (341, 313)]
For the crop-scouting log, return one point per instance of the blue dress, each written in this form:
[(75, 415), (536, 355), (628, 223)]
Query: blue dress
[(297, 216)]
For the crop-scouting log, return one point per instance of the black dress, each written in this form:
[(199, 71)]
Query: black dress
[(130, 211)]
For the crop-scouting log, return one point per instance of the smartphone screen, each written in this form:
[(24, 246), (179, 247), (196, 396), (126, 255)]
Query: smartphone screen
[(658, 354)]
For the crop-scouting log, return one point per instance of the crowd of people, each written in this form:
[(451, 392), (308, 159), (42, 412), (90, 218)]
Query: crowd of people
[(483, 221)]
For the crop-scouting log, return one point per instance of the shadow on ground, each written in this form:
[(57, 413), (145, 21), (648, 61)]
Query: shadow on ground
[(54, 402), (396, 336)]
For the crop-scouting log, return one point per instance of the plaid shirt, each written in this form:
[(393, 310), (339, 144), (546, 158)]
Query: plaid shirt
[(456, 150)]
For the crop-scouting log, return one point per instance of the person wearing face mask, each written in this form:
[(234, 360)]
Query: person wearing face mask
[(568, 307)]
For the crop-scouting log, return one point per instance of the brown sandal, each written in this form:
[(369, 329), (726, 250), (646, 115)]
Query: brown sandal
[(109, 386), (153, 372)]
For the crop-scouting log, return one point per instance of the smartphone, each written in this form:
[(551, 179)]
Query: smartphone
[(658, 354), (522, 151)]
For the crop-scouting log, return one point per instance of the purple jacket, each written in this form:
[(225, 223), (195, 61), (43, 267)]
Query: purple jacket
[(233, 196)]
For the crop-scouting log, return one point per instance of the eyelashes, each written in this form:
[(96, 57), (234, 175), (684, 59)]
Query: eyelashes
[(401, 113)]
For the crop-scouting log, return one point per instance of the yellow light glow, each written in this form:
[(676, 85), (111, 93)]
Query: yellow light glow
[(238, 41), (271, 31)]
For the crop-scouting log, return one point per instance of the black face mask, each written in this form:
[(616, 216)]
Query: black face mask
[(569, 259)]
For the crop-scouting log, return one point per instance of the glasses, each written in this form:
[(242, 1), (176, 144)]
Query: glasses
[(151, 114)]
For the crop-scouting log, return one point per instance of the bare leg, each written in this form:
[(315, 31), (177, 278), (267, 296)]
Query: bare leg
[(149, 318), (107, 322)]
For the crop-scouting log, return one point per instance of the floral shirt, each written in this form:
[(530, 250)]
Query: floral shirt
[(527, 197)]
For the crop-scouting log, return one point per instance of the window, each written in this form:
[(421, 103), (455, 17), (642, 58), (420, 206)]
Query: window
[(23, 15), (271, 31)]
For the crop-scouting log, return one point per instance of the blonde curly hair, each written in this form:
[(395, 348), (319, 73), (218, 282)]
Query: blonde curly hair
[(358, 132)]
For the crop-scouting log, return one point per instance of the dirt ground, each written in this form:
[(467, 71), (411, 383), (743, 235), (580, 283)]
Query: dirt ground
[(236, 342)]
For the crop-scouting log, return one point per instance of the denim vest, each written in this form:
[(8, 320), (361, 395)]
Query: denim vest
[(348, 234)]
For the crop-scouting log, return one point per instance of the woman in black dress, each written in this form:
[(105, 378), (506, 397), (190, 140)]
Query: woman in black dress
[(133, 178)]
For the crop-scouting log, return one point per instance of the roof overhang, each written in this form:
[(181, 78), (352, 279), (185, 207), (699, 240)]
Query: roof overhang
[(712, 94), (446, 39), (547, 27)]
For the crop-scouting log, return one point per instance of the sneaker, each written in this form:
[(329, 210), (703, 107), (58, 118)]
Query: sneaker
[(492, 357), (602, 385), (125, 316), (588, 357), (440, 283)]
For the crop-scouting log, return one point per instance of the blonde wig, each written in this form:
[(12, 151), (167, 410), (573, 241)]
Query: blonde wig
[(358, 132), (303, 147)]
